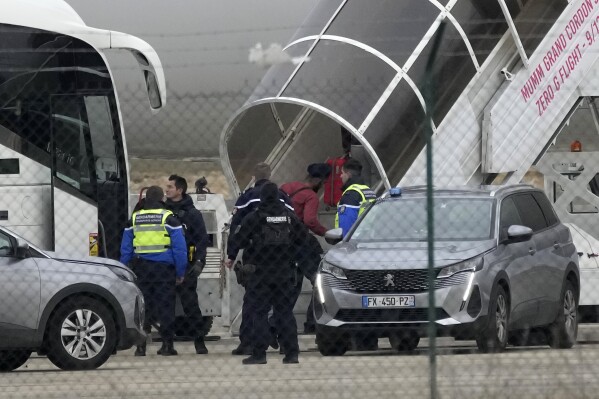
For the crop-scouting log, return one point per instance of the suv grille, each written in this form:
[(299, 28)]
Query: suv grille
[(405, 281), (375, 280), (389, 315)]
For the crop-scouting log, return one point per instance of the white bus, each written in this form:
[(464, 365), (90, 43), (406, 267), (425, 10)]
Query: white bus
[(63, 156)]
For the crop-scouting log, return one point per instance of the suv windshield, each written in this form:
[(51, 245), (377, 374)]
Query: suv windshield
[(456, 219)]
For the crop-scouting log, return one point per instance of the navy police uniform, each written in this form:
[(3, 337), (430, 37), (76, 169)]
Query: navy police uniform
[(355, 199), (271, 235), (154, 246), (247, 202)]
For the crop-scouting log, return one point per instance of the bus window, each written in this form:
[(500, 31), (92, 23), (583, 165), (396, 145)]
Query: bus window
[(102, 138)]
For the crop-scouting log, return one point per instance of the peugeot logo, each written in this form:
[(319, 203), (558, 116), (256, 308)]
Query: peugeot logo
[(389, 280)]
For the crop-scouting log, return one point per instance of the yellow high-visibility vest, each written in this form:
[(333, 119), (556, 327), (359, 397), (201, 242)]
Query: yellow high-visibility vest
[(367, 198), (149, 231)]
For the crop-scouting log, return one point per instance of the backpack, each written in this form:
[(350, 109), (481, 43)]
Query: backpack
[(274, 230)]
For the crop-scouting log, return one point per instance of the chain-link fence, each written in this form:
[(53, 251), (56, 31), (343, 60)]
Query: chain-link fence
[(354, 225)]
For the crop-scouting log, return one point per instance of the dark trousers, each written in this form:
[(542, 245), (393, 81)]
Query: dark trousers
[(275, 320), (247, 313), (262, 293), (308, 264), (189, 301), (310, 323), (157, 284)]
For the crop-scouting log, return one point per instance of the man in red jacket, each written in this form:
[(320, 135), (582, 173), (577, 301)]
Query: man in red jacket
[(305, 201), (304, 197)]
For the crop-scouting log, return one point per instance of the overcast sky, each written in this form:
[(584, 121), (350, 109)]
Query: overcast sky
[(203, 45)]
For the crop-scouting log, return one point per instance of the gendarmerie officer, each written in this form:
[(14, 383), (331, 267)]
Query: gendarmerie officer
[(271, 236), (246, 204), (154, 246), (356, 196)]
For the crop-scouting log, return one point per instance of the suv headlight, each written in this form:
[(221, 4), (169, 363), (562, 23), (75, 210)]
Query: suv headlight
[(469, 265), (334, 270), (123, 274)]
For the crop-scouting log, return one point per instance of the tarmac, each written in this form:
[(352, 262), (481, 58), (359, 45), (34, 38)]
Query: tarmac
[(462, 372)]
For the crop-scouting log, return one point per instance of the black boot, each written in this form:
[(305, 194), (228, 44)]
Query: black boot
[(141, 350), (200, 346), (242, 349), (291, 358), (309, 328), (274, 342), (255, 359), (167, 349)]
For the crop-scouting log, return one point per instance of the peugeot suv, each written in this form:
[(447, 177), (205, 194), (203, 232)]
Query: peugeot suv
[(77, 312), (504, 267)]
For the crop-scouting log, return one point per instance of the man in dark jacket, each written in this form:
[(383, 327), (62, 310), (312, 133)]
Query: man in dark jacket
[(154, 246), (271, 236), (246, 203), (196, 239)]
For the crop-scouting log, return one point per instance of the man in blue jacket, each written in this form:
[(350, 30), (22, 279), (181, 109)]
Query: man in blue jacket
[(154, 246), (356, 196)]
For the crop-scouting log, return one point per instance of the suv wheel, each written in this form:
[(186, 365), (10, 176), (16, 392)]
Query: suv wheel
[(13, 359), (331, 345), (494, 336), (563, 331), (81, 335), (404, 341)]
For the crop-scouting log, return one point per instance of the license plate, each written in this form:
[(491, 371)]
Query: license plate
[(388, 301)]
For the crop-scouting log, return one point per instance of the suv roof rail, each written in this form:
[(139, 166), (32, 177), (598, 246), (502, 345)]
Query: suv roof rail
[(492, 190), (416, 188), (498, 189)]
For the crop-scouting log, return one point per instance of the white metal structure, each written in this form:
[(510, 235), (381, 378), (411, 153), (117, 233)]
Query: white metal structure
[(516, 75), (64, 174)]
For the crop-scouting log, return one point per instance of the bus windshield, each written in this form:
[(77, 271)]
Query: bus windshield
[(57, 107)]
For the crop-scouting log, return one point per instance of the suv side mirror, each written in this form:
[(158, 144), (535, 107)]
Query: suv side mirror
[(517, 233), (22, 248), (334, 236)]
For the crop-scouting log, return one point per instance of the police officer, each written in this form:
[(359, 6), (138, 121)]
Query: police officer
[(196, 239), (154, 246), (271, 236), (245, 204), (356, 196), (355, 199)]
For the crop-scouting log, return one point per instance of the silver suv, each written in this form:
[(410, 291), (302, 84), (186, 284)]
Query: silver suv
[(505, 269), (77, 312)]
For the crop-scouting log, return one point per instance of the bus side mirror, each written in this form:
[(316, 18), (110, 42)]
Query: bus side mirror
[(148, 62)]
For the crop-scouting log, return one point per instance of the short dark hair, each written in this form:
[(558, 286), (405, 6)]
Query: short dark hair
[(353, 166), (262, 171), (269, 192), (154, 194), (180, 182)]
